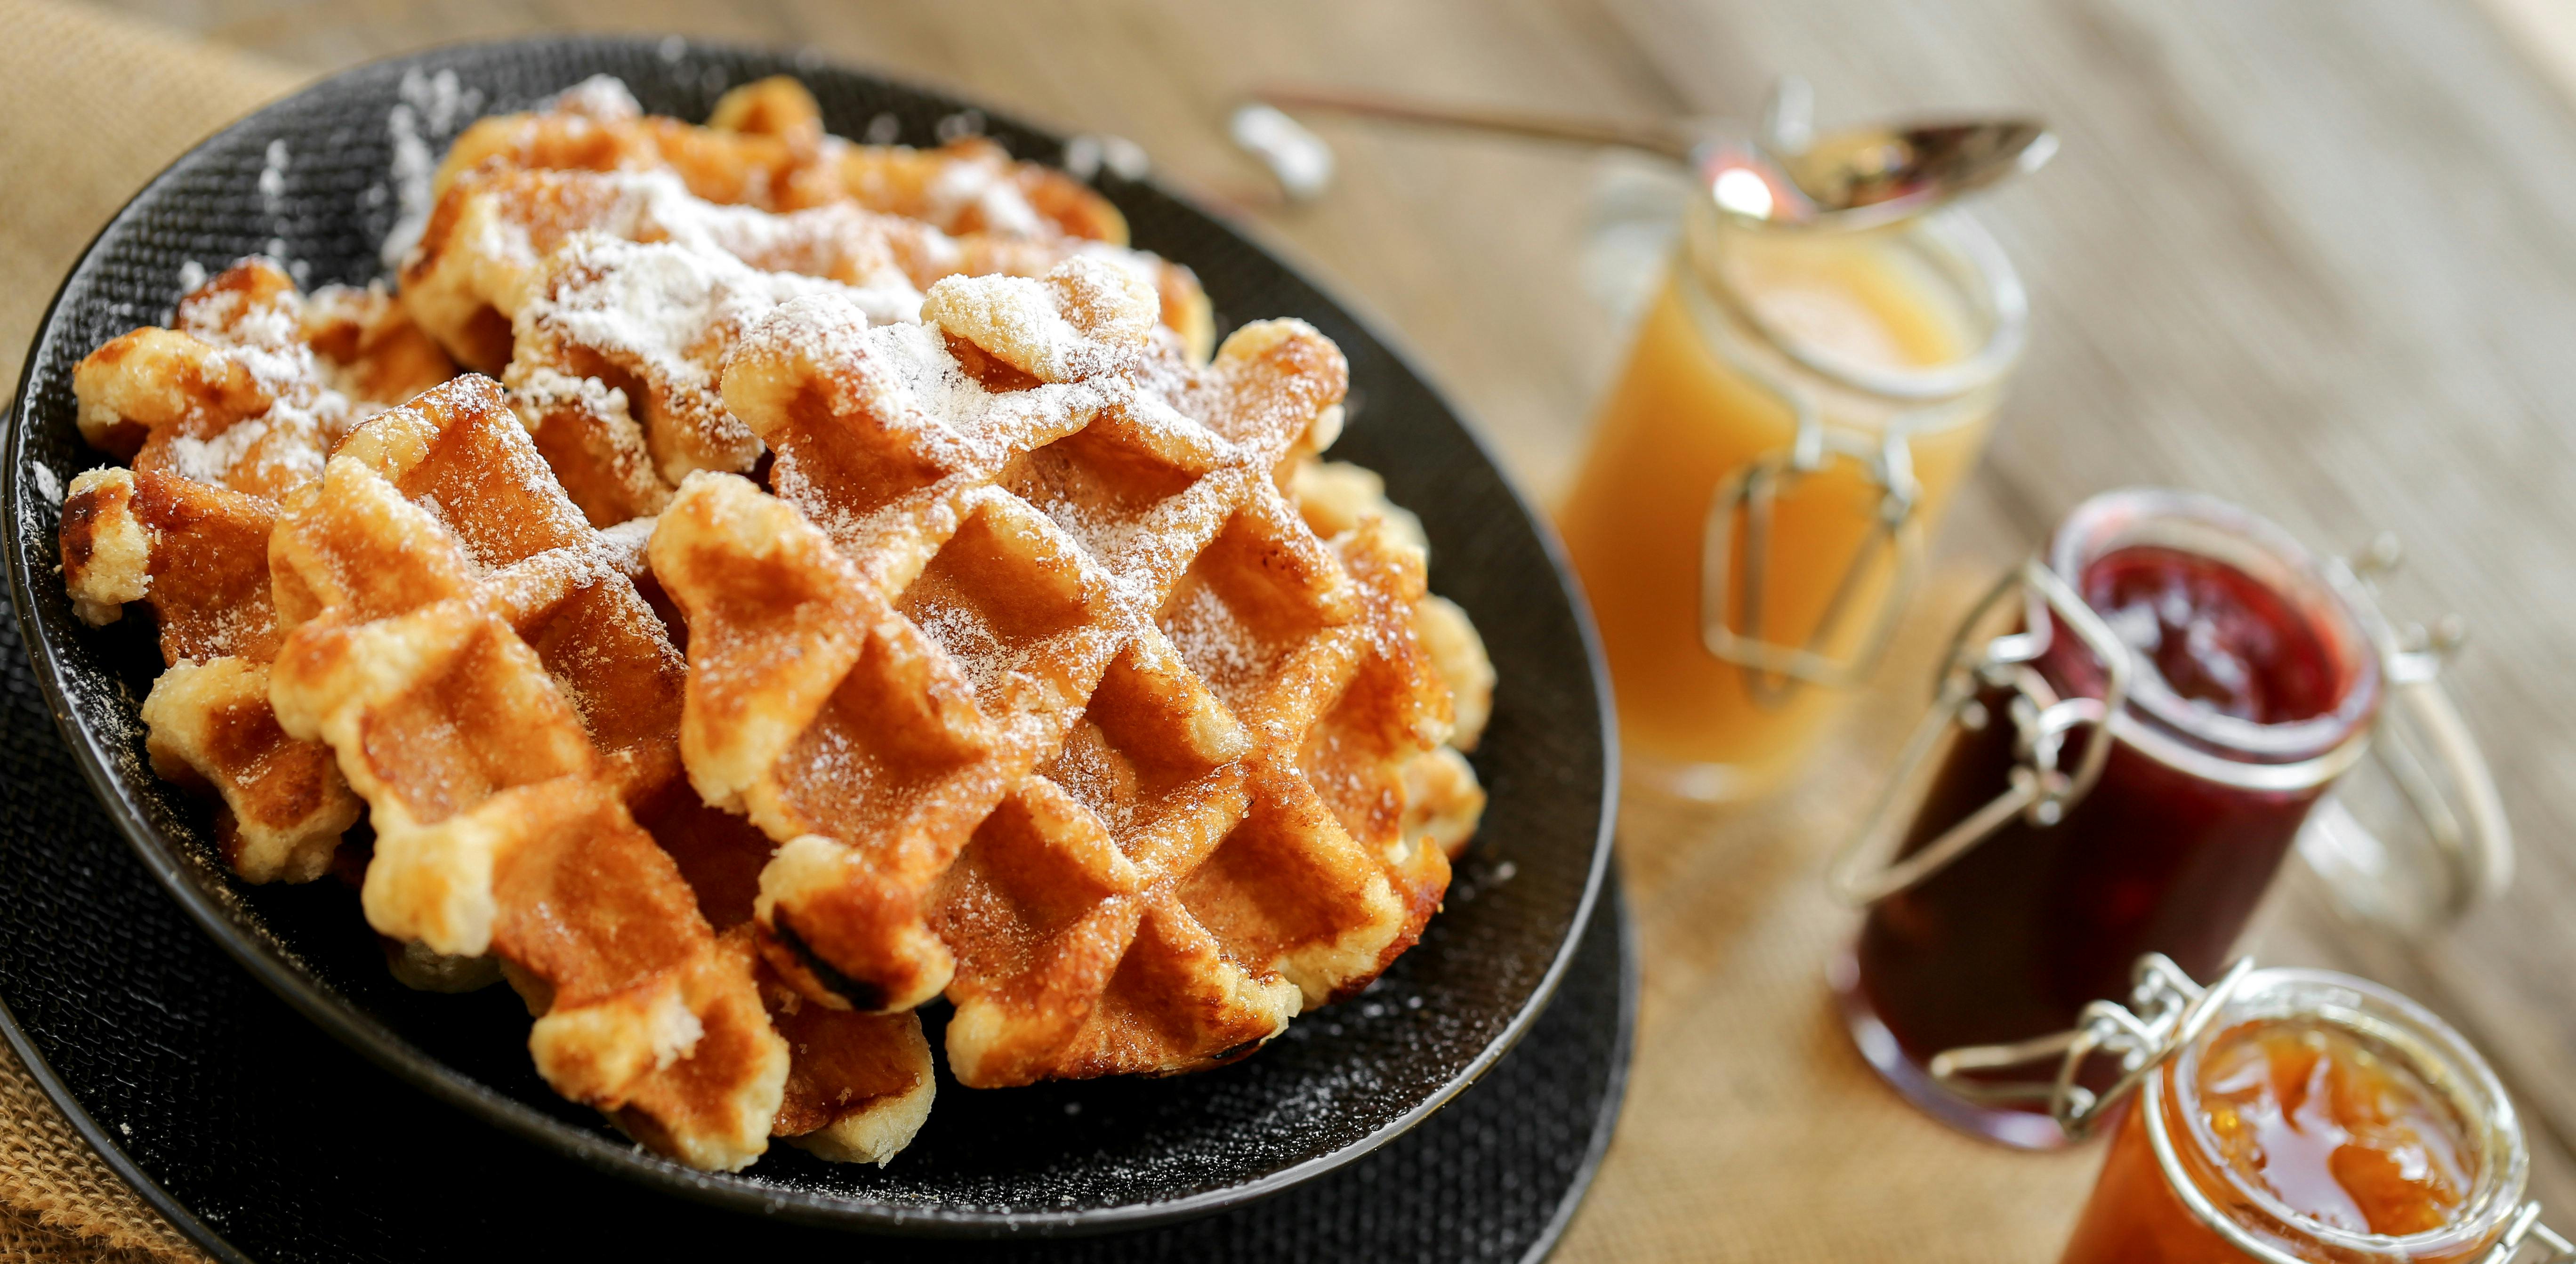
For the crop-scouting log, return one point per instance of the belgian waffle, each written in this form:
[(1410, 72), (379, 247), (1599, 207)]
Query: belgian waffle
[(480, 258), (611, 352), (220, 416), (504, 697), (616, 364), (617, 355), (1441, 798), (765, 147), (1045, 665), (496, 688), (198, 555), (256, 382), (1019, 667)]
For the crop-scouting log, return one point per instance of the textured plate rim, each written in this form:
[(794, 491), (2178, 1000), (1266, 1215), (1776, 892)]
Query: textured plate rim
[(381, 1045)]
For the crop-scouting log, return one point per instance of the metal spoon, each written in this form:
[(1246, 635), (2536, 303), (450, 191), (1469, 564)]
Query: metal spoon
[(1860, 178)]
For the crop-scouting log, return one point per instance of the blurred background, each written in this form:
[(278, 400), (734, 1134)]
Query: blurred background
[(2319, 259)]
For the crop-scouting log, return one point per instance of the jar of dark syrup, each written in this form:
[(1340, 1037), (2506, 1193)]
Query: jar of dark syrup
[(2124, 771)]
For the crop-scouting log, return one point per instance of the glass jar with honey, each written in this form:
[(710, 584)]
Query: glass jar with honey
[(1796, 412), (2125, 769), (2291, 1117)]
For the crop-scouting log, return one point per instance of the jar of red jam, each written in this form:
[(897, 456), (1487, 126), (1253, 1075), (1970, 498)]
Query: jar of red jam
[(2125, 769), (2291, 1116)]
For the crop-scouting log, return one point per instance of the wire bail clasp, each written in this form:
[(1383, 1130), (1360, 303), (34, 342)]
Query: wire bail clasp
[(2525, 1230), (1771, 670), (2166, 1011), (2424, 747), (2037, 789)]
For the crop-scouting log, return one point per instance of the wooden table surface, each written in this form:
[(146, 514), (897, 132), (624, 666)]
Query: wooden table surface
[(2318, 258)]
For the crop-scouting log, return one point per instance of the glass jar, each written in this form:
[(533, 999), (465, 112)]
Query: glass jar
[(1795, 413), (2286, 1116), (2133, 761)]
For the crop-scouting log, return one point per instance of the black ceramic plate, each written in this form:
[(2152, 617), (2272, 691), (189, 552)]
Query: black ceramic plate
[(262, 1139), (1085, 1157)]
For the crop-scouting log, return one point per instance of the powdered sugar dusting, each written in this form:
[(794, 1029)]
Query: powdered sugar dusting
[(432, 108), (1086, 319), (272, 176), (212, 460), (985, 187), (968, 638), (258, 328), (667, 303), (543, 388), (622, 546), (911, 381), (604, 98), (855, 247), (1217, 643)]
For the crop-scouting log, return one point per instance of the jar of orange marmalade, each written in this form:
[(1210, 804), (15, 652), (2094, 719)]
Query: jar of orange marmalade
[(1795, 413), (2287, 1116)]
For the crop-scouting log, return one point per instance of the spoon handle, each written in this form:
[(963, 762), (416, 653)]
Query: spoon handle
[(1654, 138)]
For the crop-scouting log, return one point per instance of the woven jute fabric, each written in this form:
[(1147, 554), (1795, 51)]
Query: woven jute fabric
[(1752, 1130), (58, 1200)]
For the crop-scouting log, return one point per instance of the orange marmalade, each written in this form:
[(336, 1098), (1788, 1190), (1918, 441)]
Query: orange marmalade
[(2338, 1133), (2354, 1128)]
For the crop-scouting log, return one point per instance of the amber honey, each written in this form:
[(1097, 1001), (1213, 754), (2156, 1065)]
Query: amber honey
[(1898, 333)]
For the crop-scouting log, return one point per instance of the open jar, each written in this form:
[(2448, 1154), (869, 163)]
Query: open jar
[(1794, 415), (2125, 770), (2285, 1116)]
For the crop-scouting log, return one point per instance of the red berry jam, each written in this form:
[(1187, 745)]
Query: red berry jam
[(2217, 637), (2010, 940)]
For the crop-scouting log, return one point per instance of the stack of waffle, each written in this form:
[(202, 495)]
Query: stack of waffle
[(862, 585)]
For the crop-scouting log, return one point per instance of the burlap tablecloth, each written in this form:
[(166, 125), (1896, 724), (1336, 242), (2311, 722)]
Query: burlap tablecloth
[(1752, 1131)]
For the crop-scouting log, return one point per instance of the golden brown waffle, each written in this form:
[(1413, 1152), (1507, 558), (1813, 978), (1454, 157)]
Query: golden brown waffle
[(1044, 680), (611, 352), (480, 259), (1441, 798), (235, 406), (765, 147), (1020, 666), (255, 383), (617, 357), (495, 687), (859, 1086), (197, 554)]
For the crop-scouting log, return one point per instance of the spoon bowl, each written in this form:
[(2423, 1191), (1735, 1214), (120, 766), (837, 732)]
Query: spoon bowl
[(1868, 176)]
